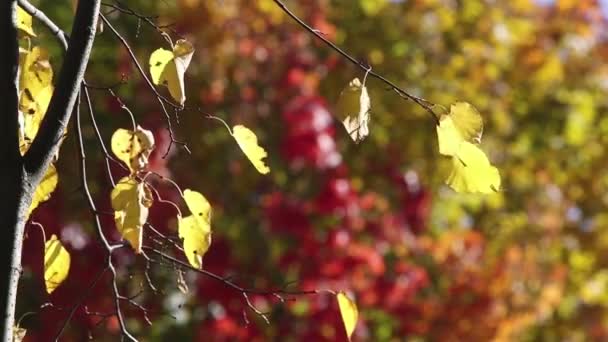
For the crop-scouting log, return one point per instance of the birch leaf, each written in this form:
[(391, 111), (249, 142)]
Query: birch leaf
[(56, 263), (131, 201), (353, 110), (463, 123), (133, 147), (248, 142), (168, 68), (195, 229), (349, 313), (24, 22), (472, 171), (18, 333), (45, 188)]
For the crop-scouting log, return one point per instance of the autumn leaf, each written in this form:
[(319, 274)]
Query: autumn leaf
[(56, 263), (130, 201), (349, 313), (35, 91), (353, 110), (463, 123), (472, 172), (45, 188), (195, 229), (168, 68), (18, 333), (248, 142), (24, 22), (133, 147)]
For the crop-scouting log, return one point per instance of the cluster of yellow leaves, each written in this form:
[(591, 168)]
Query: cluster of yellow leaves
[(349, 313), (56, 263), (35, 91), (195, 229), (168, 68), (353, 110), (131, 198), (459, 134)]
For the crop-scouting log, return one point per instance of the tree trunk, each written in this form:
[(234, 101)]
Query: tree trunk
[(14, 203)]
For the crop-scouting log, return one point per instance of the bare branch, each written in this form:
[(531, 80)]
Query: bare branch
[(46, 21)]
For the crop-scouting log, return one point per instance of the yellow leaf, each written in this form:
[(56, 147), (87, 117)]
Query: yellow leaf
[(195, 229), (472, 171), (349, 313), (56, 263), (18, 333), (130, 201), (248, 142), (45, 188), (24, 22), (168, 68), (463, 123), (353, 110), (133, 147), (35, 91)]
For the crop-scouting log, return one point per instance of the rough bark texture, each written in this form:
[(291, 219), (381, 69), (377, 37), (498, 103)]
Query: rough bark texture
[(19, 176)]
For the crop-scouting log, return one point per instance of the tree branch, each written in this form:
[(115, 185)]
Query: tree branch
[(55, 121), (40, 16)]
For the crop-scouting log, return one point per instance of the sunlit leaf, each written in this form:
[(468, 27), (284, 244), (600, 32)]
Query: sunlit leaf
[(349, 313), (472, 171), (35, 91), (248, 142), (24, 22), (133, 147), (18, 333), (130, 201), (195, 229), (353, 110), (463, 123), (168, 68), (45, 188), (56, 263)]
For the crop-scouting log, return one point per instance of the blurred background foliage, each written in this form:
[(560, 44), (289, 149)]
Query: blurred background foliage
[(424, 263)]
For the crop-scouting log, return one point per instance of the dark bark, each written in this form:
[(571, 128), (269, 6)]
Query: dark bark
[(20, 175)]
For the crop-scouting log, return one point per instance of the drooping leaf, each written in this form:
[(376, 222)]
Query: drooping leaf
[(463, 123), (248, 142), (24, 22), (349, 313), (195, 229), (168, 68), (130, 201), (18, 333), (35, 91), (56, 263), (472, 171), (133, 147), (45, 188), (353, 110)]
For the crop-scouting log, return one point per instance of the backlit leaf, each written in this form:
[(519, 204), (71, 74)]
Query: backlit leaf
[(24, 22), (472, 171), (130, 201), (133, 147), (56, 263), (195, 229), (18, 333), (463, 123), (353, 110), (45, 188), (248, 142), (168, 68), (349, 313)]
